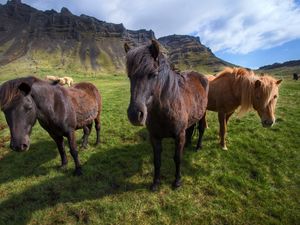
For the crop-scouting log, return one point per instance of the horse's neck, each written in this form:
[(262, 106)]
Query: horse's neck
[(169, 88), (43, 96), (244, 93)]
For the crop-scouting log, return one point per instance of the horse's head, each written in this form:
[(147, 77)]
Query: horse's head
[(142, 69), (265, 99), (20, 112)]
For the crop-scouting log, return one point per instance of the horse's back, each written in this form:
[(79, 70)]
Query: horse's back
[(196, 79), (86, 101)]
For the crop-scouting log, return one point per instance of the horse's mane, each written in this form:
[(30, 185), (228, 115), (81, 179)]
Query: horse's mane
[(139, 63), (245, 79), (9, 90)]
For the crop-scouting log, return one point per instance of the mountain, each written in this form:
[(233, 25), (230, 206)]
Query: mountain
[(282, 69), (187, 52), (279, 65), (63, 41)]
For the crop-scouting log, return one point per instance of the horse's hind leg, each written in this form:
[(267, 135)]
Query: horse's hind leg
[(179, 145), (74, 152), (86, 132), (222, 131), (188, 135), (98, 128), (201, 128)]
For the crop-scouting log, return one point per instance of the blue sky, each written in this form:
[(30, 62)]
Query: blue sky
[(249, 33)]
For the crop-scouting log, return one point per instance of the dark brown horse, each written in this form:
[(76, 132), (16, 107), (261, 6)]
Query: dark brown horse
[(167, 102), (59, 110)]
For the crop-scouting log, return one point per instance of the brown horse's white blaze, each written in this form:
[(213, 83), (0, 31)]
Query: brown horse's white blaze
[(236, 88)]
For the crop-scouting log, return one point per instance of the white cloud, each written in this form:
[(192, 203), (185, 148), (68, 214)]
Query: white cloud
[(239, 26)]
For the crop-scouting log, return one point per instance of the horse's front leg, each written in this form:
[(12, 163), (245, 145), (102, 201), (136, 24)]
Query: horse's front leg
[(157, 149), (188, 135), (59, 140), (179, 145), (222, 131), (74, 152)]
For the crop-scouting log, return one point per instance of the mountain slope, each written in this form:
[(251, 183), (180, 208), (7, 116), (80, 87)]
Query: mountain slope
[(282, 69), (37, 40)]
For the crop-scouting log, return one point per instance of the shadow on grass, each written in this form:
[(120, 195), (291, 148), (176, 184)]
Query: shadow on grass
[(106, 172), (28, 163)]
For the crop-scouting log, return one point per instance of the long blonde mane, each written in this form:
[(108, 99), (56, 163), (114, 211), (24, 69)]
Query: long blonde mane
[(244, 81)]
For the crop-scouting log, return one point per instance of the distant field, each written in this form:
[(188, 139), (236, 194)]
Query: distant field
[(257, 181)]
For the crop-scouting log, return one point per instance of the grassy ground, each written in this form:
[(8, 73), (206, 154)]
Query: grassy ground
[(255, 182)]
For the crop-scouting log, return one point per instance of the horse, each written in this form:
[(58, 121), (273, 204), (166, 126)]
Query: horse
[(60, 111), (168, 103), (68, 80), (238, 87), (61, 80)]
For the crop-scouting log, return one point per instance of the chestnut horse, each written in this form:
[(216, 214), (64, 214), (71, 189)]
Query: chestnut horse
[(238, 87), (167, 102), (59, 110)]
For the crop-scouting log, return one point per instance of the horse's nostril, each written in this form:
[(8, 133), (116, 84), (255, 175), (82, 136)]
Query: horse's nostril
[(24, 147), (140, 115)]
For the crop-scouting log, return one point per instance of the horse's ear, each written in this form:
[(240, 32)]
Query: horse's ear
[(25, 88), (154, 49), (278, 82), (126, 47), (257, 83)]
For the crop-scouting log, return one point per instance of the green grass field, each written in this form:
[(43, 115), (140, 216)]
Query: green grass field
[(255, 182)]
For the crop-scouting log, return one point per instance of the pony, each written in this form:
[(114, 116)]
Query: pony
[(60, 111), (67, 80), (52, 78), (239, 87), (61, 80), (168, 103)]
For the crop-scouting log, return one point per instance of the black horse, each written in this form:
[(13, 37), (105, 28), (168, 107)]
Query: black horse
[(168, 103), (295, 76), (59, 110)]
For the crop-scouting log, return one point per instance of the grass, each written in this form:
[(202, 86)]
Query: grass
[(255, 182)]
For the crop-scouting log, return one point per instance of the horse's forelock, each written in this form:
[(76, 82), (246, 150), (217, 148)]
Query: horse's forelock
[(139, 61), (9, 90), (268, 88)]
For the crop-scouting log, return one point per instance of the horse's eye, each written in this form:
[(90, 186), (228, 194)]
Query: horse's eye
[(152, 75), (28, 107), (275, 96)]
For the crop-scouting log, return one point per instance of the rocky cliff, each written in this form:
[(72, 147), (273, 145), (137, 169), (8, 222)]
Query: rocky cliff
[(187, 52), (61, 40)]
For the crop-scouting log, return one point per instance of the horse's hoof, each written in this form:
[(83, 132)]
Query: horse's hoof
[(63, 167), (224, 148), (83, 147), (198, 148), (176, 184), (154, 187), (77, 172)]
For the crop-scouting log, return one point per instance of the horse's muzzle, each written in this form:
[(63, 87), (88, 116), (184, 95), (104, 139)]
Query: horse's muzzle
[(137, 115), (20, 147), (267, 123)]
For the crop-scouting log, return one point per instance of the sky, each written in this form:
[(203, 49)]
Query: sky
[(249, 33)]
